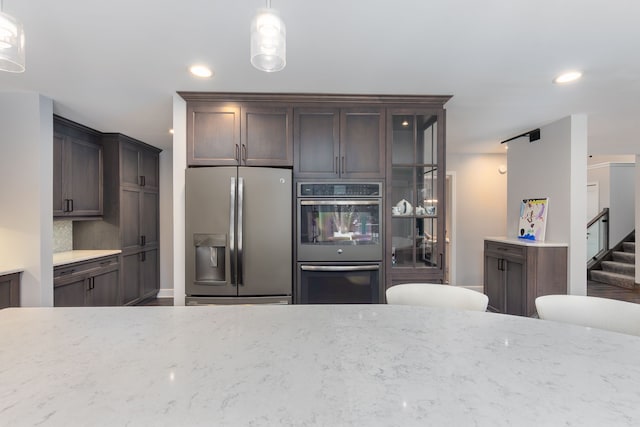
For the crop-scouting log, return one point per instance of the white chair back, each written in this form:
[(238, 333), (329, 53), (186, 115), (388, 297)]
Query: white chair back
[(595, 312), (435, 295)]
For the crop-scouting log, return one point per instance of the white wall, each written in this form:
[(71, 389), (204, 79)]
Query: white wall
[(622, 208), (26, 171), (179, 167), (617, 192), (481, 210), (555, 167), (166, 224), (637, 217)]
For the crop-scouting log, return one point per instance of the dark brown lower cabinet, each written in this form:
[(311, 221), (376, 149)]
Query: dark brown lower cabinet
[(516, 274), (104, 289), (140, 275), (10, 290), (86, 284)]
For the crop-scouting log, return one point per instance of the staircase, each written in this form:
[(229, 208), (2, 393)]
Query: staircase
[(618, 268)]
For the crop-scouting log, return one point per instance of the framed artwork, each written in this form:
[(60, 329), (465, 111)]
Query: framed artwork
[(533, 219)]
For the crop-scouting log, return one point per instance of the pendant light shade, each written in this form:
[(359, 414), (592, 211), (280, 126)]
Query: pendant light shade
[(11, 44), (268, 41)]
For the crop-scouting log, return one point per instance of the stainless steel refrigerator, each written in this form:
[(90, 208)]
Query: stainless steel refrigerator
[(238, 235)]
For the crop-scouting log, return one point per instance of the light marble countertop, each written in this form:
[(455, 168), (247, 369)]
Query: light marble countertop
[(323, 365), (525, 242), (69, 257), (9, 270)]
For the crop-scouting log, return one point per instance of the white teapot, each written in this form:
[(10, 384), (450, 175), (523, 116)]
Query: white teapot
[(404, 207)]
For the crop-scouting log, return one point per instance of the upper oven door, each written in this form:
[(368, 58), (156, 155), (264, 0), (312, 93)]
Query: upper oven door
[(339, 230)]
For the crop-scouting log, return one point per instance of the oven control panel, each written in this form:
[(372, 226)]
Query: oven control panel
[(345, 189)]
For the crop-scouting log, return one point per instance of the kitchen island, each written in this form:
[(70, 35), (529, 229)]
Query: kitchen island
[(322, 365)]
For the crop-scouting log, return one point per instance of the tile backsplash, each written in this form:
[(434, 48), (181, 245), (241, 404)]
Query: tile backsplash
[(62, 236)]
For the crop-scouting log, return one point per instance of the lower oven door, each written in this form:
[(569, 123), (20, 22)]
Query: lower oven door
[(324, 283)]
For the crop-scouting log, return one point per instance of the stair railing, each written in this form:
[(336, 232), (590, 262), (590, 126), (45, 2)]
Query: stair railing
[(597, 237)]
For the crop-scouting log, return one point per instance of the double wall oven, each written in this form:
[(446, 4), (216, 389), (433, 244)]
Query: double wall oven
[(339, 242)]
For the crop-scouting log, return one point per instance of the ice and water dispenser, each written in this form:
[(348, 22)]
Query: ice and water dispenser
[(210, 261)]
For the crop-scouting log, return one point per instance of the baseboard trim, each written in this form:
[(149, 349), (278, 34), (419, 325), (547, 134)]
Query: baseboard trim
[(165, 293)]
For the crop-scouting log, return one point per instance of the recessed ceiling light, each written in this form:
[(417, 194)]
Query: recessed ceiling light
[(201, 71), (405, 123), (171, 131), (567, 77)]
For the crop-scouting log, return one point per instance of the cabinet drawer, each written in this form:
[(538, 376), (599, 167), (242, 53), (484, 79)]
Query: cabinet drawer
[(84, 267), (505, 249)]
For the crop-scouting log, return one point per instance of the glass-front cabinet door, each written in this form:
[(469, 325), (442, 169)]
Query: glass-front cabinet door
[(415, 197)]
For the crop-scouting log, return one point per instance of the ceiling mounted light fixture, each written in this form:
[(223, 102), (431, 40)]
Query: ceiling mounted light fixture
[(567, 77), (11, 43), (268, 40), (201, 71)]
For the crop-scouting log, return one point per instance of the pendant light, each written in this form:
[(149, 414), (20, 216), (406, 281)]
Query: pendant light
[(11, 43), (268, 40)]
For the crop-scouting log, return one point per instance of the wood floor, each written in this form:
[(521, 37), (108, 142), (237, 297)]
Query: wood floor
[(597, 289), (594, 289)]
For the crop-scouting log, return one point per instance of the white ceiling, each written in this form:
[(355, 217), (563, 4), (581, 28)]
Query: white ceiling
[(115, 65)]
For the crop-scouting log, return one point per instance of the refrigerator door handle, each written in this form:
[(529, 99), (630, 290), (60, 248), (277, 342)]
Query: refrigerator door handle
[(232, 234), (240, 222)]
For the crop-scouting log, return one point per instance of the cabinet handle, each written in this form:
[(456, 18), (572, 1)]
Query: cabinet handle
[(66, 206), (244, 153), (71, 203), (64, 273), (141, 180), (143, 256), (336, 168), (143, 240), (237, 158), (342, 170)]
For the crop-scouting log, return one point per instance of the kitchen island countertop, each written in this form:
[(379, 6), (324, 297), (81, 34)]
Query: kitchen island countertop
[(313, 365)]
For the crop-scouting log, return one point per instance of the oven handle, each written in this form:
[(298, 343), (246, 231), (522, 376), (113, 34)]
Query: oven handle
[(339, 202), (340, 267)]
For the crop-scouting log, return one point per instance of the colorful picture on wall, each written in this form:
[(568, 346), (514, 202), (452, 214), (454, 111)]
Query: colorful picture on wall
[(533, 219)]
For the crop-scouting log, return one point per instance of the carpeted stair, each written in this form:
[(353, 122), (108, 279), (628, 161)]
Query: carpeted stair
[(620, 270)]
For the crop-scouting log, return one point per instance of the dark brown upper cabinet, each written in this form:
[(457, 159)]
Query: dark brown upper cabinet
[(339, 142), (220, 134), (139, 167), (77, 171)]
